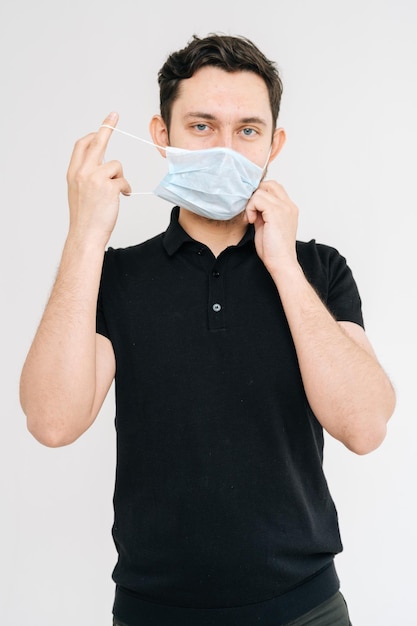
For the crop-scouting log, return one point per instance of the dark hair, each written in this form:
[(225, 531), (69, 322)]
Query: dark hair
[(230, 53)]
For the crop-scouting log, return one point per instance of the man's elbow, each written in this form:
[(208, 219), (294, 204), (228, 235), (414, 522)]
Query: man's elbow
[(371, 431), (51, 438), (52, 432), (368, 436), (366, 442)]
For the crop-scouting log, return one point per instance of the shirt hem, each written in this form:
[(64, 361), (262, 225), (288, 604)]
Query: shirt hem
[(133, 610)]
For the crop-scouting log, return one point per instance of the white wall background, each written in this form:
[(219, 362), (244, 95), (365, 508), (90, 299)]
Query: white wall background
[(349, 108)]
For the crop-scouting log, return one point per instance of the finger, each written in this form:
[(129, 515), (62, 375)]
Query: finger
[(121, 185), (101, 138), (261, 201), (126, 189), (92, 146), (79, 153), (111, 169), (114, 171), (272, 186), (251, 211)]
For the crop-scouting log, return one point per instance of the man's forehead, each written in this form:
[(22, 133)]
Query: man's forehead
[(213, 95)]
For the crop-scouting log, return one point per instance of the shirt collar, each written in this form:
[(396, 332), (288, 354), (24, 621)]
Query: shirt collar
[(175, 236)]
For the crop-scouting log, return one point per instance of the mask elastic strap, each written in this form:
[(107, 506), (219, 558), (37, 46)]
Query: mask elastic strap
[(267, 159), (123, 132)]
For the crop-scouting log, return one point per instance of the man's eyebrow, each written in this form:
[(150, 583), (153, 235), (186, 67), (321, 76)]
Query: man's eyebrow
[(253, 119), (201, 115)]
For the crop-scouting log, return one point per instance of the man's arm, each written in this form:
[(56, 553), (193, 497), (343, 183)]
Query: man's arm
[(346, 387), (69, 368)]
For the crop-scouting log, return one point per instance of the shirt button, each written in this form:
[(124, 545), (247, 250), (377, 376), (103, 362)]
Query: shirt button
[(216, 307), (216, 274)]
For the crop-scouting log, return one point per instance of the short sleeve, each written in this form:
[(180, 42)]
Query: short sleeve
[(101, 326), (328, 272)]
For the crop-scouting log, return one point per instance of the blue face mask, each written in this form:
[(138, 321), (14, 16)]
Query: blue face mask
[(215, 183)]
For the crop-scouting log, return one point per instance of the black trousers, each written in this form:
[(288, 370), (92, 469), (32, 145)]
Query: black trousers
[(333, 612)]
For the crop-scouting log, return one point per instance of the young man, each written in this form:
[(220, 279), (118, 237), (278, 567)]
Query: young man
[(232, 346)]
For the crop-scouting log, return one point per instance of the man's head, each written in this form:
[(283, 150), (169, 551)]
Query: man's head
[(229, 53)]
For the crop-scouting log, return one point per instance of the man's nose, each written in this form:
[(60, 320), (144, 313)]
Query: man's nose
[(225, 139)]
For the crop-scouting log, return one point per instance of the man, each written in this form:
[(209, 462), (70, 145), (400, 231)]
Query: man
[(232, 346)]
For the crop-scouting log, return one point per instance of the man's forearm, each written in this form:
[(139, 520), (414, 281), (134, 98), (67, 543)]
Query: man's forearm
[(346, 387), (59, 376)]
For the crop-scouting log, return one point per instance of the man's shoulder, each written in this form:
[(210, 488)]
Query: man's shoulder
[(322, 264), (149, 247), (313, 252), (314, 245)]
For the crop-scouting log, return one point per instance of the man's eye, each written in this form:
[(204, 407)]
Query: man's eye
[(249, 132), (201, 126)]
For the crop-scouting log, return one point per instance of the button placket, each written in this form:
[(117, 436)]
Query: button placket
[(216, 308)]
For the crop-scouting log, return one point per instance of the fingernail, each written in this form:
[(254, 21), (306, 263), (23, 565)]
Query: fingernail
[(112, 116)]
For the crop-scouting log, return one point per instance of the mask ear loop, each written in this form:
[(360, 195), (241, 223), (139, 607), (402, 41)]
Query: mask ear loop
[(267, 160), (151, 143), (123, 132)]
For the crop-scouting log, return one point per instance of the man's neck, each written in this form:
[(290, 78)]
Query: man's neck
[(215, 234)]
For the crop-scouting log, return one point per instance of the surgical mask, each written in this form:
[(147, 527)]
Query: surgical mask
[(215, 183)]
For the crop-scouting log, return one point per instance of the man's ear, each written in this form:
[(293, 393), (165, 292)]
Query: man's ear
[(159, 133), (278, 141)]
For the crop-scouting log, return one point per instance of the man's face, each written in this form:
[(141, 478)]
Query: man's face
[(216, 108)]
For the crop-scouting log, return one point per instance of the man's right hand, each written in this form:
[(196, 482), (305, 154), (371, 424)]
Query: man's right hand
[(94, 186)]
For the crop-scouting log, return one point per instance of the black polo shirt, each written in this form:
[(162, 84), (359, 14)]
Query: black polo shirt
[(222, 511)]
